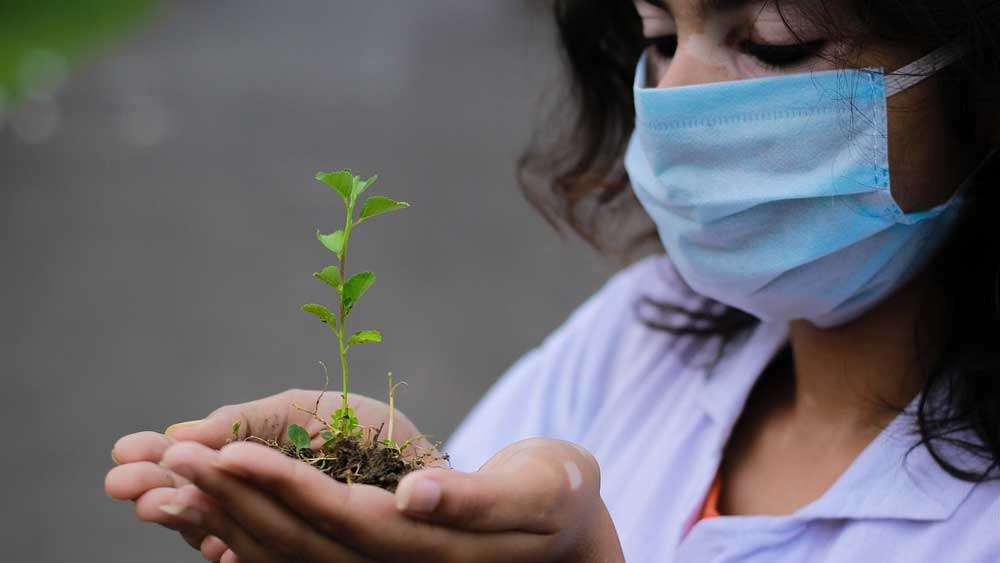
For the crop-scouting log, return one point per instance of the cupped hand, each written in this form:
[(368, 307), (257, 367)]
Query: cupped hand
[(140, 477), (537, 500)]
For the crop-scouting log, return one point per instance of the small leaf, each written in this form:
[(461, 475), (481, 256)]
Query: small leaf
[(298, 436), (334, 242), (326, 435), (320, 311), (355, 287), (377, 205), (236, 427), (331, 275), (363, 336), (342, 182), (360, 186)]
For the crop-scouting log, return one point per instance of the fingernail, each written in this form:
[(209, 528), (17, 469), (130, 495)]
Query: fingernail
[(186, 513), (418, 495), (170, 429), (115, 458)]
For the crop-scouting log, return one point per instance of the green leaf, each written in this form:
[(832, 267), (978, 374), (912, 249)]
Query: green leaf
[(334, 242), (342, 182), (320, 311), (236, 427), (345, 423), (355, 288), (298, 436), (326, 435), (331, 275), (377, 205), (341, 413), (360, 187), (363, 336)]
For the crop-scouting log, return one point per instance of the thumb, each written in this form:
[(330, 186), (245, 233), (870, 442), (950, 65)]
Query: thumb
[(215, 429), (212, 432), (534, 485), (265, 418)]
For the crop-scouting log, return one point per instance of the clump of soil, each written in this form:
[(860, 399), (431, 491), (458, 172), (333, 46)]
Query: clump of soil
[(363, 460)]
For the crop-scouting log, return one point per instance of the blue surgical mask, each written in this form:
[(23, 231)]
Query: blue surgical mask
[(772, 195)]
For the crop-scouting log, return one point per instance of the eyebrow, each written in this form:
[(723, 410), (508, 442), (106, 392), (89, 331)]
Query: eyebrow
[(707, 6)]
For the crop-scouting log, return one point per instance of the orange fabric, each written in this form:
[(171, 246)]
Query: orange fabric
[(711, 508)]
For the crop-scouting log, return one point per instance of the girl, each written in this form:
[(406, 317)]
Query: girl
[(809, 372)]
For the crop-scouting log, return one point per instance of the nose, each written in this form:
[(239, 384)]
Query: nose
[(694, 62)]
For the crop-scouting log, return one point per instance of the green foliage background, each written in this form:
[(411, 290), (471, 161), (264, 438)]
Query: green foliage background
[(70, 28)]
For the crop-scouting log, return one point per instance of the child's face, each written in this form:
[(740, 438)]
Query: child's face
[(704, 41)]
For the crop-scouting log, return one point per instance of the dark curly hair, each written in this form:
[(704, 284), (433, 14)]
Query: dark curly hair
[(575, 177)]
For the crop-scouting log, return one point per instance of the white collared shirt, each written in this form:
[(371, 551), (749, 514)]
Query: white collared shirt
[(645, 403)]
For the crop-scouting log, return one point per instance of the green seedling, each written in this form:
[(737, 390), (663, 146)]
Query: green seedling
[(349, 290), (349, 451)]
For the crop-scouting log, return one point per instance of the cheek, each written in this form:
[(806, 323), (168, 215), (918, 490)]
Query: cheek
[(925, 160)]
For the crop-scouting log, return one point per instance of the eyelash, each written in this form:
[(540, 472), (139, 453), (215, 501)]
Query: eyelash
[(774, 56)]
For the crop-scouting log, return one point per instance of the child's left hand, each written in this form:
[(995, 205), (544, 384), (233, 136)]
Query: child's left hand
[(537, 500)]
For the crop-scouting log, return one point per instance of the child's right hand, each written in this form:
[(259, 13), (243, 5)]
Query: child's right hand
[(140, 478)]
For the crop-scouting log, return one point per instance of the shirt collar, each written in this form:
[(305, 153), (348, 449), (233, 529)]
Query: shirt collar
[(890, 479)]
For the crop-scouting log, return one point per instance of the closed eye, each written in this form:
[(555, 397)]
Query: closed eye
[(780, 56)]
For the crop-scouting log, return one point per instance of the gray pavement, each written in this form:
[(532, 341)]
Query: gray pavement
[(157, 228)]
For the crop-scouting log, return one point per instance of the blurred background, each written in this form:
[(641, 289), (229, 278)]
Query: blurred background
[(158, 213)]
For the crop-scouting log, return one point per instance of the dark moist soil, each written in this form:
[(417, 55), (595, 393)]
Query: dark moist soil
[(359, 460)]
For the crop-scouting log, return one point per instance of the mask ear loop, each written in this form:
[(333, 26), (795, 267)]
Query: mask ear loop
[(921, 69)]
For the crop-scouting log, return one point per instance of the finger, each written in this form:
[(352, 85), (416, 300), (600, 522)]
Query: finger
[(272, 523), (147, 509), (531, 486), (316, 496), (213, 431), (197, 509), (365, 518), (194, 538), (229, 557), (212, 548), (140, 446), (129, 481), (265, 418)]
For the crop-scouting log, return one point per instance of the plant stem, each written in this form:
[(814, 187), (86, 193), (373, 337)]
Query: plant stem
[(391, 408), (342, 317)]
